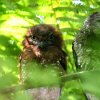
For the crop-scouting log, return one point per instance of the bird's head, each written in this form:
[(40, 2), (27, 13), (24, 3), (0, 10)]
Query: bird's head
[(93, 23), (43, 36)]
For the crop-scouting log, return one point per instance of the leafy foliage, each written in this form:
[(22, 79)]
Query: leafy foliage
[(17, 15)]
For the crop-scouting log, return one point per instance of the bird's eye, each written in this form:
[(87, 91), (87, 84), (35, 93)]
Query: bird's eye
[(51, 36), (33, 37)]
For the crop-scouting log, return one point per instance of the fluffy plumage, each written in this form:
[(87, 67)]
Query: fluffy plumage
[(42, 45), (86, 49)]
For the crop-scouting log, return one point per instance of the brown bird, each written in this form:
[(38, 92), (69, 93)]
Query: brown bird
[(42, 49)]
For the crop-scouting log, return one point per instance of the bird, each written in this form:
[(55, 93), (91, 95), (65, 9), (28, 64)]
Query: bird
[(42, 50), (86, 49)]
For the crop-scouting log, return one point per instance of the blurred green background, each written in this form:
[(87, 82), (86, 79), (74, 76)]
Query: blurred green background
[(16, 16)]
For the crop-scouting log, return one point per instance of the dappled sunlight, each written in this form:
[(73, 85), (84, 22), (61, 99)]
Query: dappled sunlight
[(15, 21), (3, 48), (15, 28), (16, 16), (9, 52)]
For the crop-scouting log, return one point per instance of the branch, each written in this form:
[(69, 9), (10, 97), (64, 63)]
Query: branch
[(78, 75)]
